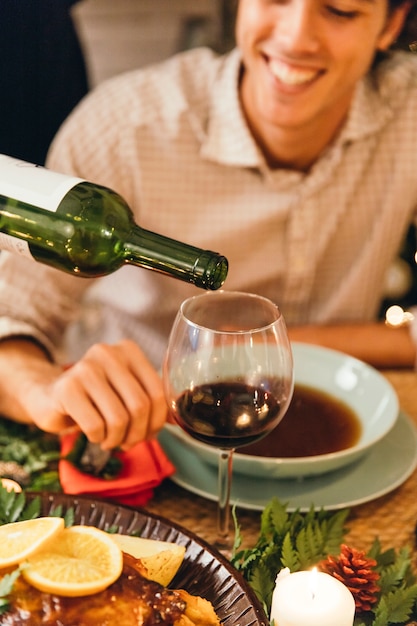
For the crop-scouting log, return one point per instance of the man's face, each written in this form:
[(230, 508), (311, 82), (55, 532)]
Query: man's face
[(303, 58)]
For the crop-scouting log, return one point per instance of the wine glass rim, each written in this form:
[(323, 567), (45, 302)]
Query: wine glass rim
[(222, 292)]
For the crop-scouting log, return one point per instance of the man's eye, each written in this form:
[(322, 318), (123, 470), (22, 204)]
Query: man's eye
[(347, 15)]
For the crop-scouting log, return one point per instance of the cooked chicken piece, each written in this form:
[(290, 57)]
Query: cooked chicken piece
[(132, 600)]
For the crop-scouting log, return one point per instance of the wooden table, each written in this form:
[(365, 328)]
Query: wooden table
[(392, 517)]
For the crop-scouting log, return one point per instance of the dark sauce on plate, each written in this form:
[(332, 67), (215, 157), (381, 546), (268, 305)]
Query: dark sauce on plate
[(315, 423)]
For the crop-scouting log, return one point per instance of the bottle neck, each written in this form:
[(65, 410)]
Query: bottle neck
[(202, 268)]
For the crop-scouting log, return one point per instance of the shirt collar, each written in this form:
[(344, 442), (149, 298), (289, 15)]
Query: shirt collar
[(368, 113), (228, 139), (378, 95)]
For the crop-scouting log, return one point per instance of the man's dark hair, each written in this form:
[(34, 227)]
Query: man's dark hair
[(407, 39)]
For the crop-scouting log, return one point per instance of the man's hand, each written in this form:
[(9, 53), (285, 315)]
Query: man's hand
[(113, 394)]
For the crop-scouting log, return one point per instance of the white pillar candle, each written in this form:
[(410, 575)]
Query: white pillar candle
[(311, 598)]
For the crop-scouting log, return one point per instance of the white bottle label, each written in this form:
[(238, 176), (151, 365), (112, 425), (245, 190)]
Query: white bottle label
[(32, 184), (13, 244)]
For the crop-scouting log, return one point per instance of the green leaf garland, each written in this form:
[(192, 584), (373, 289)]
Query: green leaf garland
[(301, 540)]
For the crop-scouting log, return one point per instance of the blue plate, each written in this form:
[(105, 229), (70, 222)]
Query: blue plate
[(354, 383), (383, 468)]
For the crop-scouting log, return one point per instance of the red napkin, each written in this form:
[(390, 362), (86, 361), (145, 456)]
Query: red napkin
[(144, 467)]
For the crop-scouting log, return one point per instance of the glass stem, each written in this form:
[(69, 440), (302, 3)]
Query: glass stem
[(225, 481)]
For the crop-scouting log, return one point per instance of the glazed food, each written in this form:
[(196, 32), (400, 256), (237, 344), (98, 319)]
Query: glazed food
[(133, 600), (84, 576)]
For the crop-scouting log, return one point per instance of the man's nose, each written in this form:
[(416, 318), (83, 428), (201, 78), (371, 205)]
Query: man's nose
[(297, 27)]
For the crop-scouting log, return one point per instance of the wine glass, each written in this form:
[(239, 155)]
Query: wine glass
[(228, 377)]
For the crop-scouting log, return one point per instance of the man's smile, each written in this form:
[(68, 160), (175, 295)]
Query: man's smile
[(289, 74)]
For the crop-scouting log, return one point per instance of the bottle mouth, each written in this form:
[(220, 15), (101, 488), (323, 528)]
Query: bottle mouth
[(210, 275)]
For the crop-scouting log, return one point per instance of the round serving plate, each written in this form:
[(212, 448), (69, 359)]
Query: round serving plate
[(204, 571)]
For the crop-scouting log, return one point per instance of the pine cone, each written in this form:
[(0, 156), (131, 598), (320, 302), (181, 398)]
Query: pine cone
[(355, 570)]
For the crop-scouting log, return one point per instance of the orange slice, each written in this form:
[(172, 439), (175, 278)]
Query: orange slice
[(11, 485), (19, 540), (83, 560)]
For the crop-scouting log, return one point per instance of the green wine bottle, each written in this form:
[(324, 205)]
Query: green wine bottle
[(88, 230)]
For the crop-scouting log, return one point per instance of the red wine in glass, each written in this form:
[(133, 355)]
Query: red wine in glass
[(228, 376)]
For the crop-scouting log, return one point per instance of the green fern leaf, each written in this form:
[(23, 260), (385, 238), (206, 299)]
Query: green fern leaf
[(32, 509), (274, 519), (6, 587), (272, 554), (400, 604), (290, 557), (375, 552), (17, 507), (69, 517), (335, 531), (397, 572), (262, 584), (381, 614), (309, 543), (11, 505)]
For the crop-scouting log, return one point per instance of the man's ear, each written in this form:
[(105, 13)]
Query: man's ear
[(393, 26)]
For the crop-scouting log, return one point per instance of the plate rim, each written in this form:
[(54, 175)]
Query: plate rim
[(403, 421), (152, 522), (292, 467)]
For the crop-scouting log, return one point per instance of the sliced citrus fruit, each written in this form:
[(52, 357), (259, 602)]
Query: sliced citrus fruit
[(83, 560), (11, 485), (19, 540)]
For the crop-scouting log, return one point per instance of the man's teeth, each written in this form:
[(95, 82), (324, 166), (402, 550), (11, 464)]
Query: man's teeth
[(289, 75)]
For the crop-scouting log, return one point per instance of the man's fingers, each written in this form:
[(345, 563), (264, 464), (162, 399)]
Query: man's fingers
[(114, 395)]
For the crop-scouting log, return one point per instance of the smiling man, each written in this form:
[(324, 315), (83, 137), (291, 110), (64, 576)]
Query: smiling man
[(294, 155), (302, 63)]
